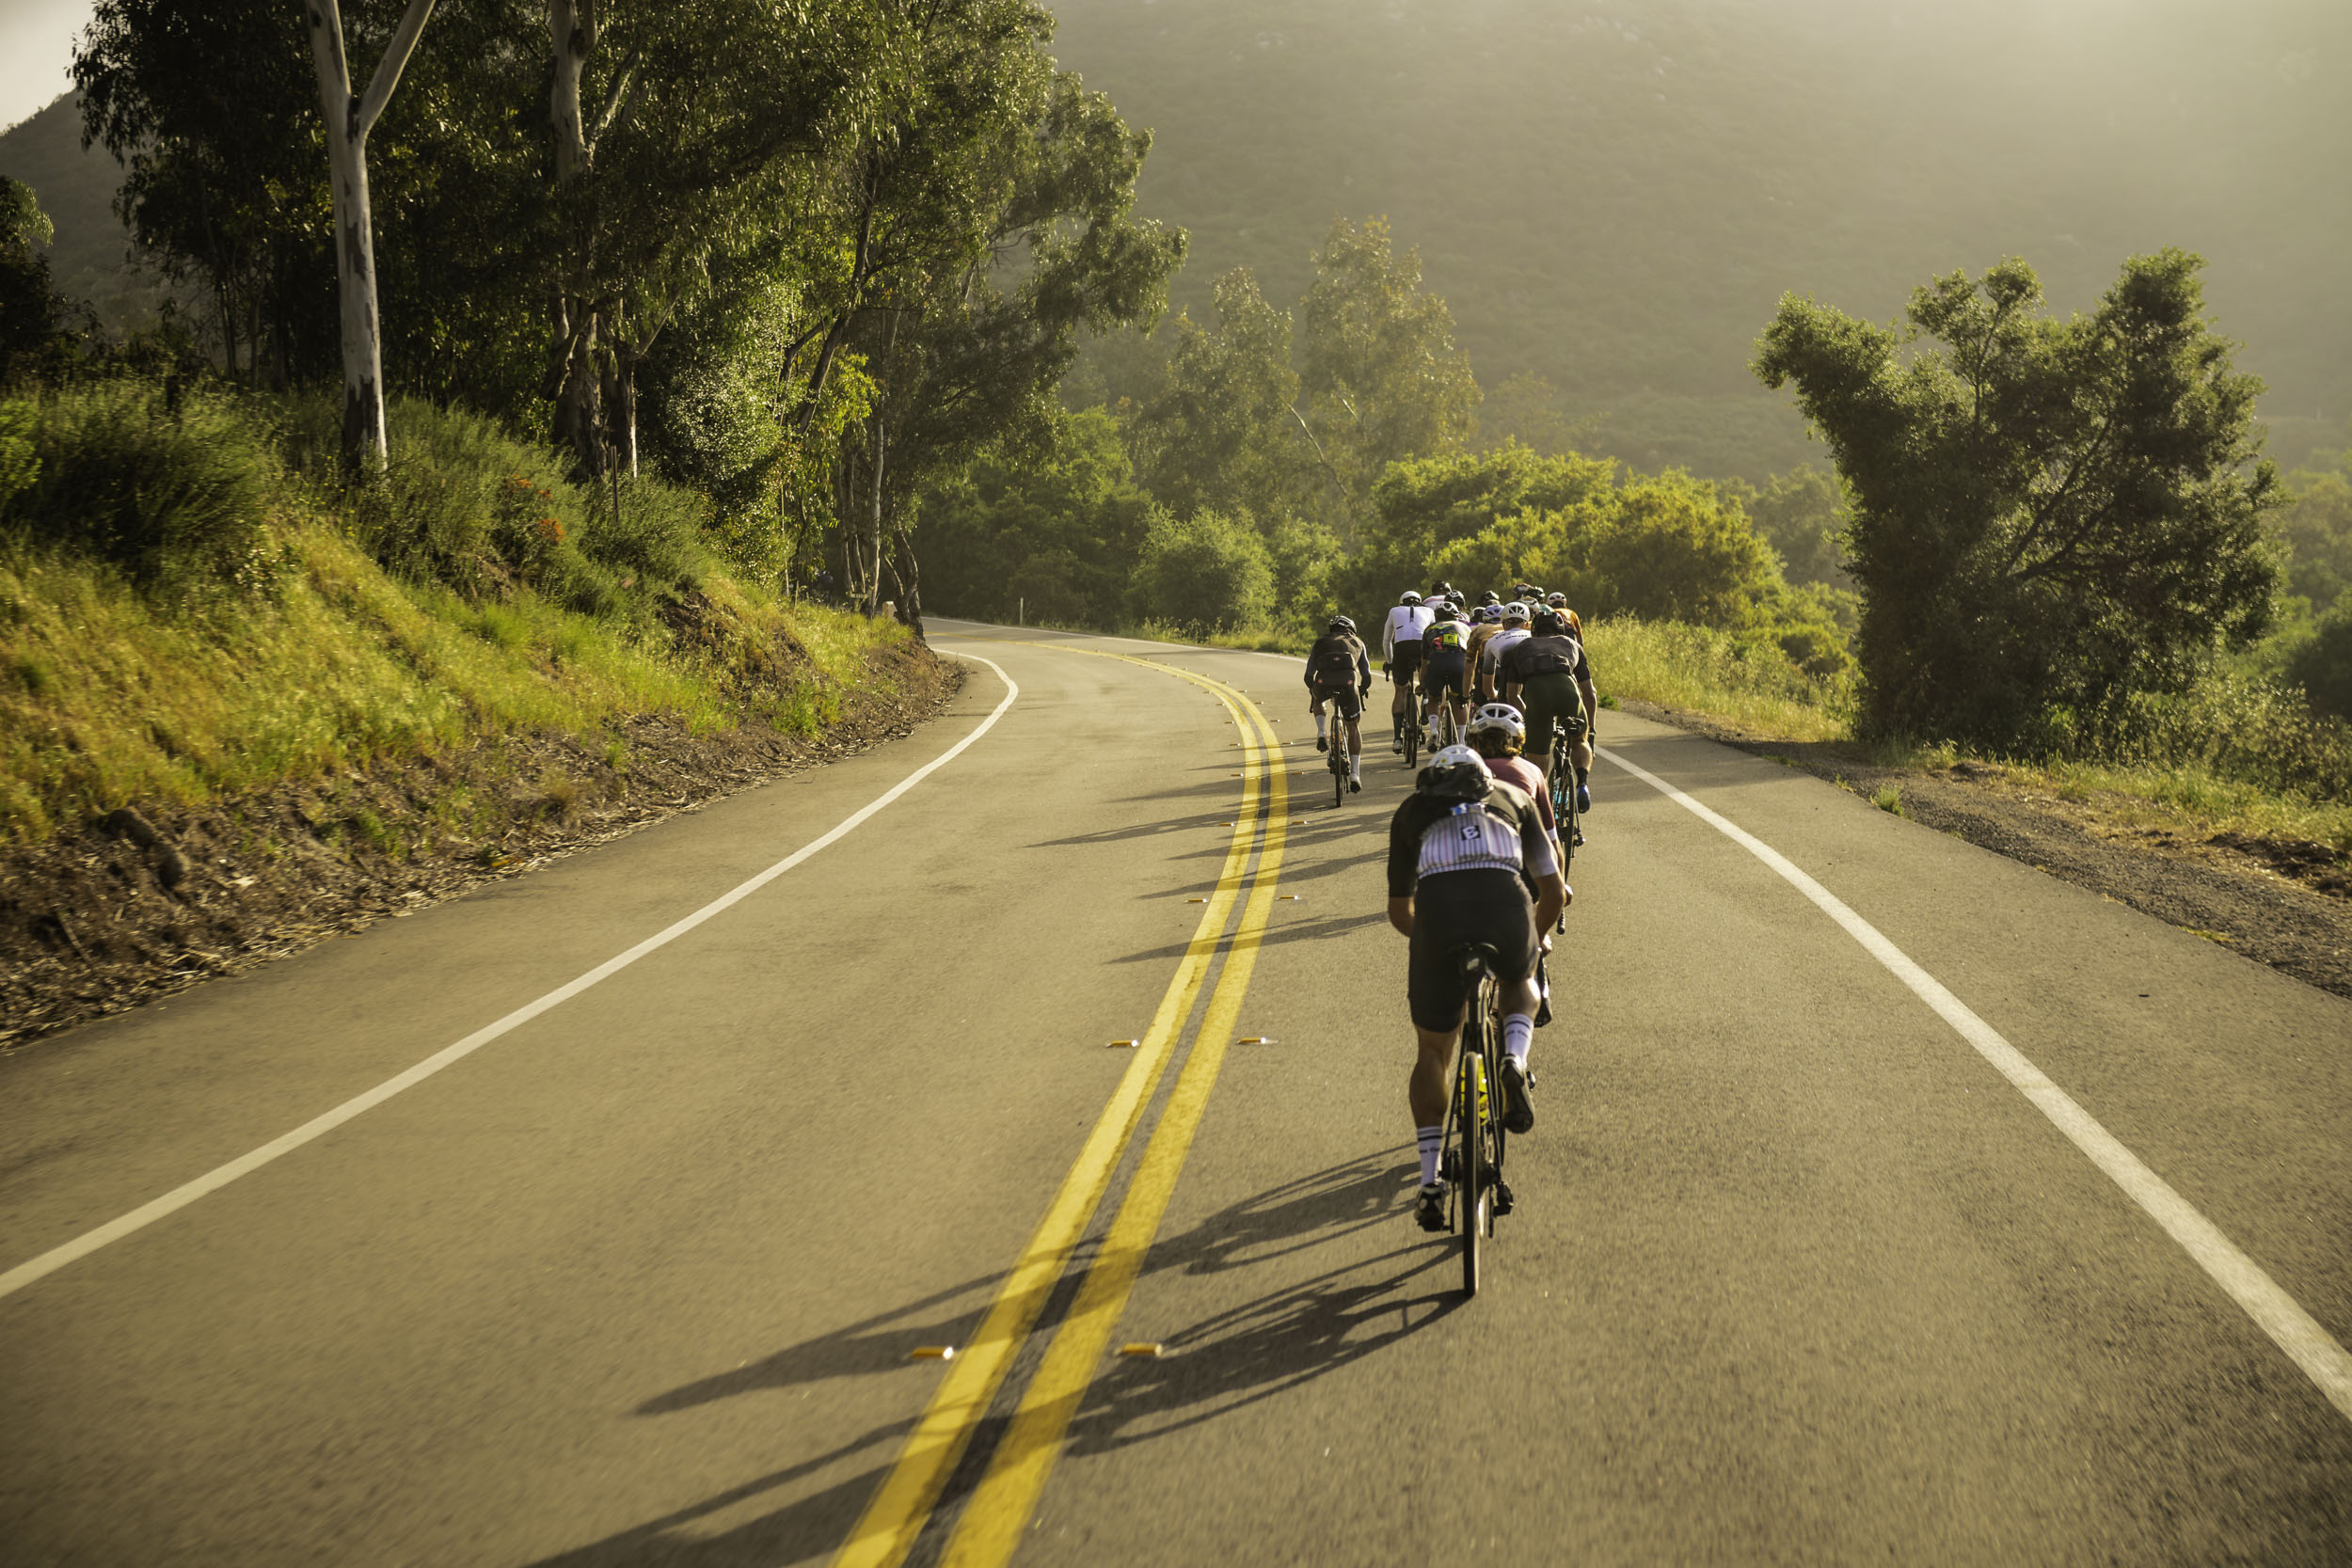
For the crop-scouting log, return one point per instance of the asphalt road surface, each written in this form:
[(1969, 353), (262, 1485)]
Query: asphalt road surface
[(1937, 1213)]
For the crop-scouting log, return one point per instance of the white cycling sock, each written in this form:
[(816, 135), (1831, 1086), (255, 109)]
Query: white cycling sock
[(1318, 723), (1355, 765), (1432, 1139), (1518, 1033)]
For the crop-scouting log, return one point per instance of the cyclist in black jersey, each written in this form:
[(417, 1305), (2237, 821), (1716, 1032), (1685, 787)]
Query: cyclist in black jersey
[(1340, 673), (1464, 849)]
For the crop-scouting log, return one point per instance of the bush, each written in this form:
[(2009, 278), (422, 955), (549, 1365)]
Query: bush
[(2322, 666), (174, 492), (1206, 572)]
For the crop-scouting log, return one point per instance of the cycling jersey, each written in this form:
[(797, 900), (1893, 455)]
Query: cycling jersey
[(1543, 655), (1430, 838), (1520, 772), (1488, 657), (1407, 622)]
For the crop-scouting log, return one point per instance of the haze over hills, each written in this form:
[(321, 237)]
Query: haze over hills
[(1613, 193)]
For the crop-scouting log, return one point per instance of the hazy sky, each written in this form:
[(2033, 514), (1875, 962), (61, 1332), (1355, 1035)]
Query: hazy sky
[(36, 50)]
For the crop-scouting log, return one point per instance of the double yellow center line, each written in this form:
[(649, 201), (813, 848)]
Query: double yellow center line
[(992, 1520)]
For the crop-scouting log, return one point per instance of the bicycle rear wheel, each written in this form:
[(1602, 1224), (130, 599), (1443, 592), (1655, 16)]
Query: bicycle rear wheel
[(1472, 1193)]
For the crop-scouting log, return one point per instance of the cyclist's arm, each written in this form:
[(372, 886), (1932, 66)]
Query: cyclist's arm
[(1404, 830), (1543, 868)]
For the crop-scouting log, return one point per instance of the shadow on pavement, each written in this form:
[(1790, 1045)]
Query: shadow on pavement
[(1257, 1351)]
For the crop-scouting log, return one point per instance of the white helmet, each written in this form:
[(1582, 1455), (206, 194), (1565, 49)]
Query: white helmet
[(1410, 597), (1514, 611), (1457, 773), (1499, 716)]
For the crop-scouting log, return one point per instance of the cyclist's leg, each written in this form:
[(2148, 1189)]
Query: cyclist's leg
[(1434, 993), (1314, 706)]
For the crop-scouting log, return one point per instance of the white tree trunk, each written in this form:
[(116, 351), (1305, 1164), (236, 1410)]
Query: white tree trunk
[(349, 119)]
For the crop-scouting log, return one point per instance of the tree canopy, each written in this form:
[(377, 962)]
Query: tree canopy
[(2049, 517)]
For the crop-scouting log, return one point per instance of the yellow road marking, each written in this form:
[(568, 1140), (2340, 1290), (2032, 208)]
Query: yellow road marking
[(992, 1522), (887, 1528)]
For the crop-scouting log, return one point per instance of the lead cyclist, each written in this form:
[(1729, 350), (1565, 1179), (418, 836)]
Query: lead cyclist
[(1464, 850)]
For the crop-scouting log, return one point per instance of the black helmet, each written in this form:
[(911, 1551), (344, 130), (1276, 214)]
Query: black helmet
[(1341, 623), (1457, 773), (1441, 590), (1547, 623), (1490, 597)]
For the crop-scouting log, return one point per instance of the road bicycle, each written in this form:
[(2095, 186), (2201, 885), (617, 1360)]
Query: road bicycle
[(1471, 1156), (1413, 704), (1561, 776), (1337, 757)]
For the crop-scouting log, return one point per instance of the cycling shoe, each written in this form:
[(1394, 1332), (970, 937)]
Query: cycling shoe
[(1518, 1110), (1431, 1209)]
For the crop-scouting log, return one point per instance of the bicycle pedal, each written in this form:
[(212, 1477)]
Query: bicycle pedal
[(1502, 1199)]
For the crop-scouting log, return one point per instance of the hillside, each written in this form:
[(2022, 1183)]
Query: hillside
[(89, 259), (1612, 194)]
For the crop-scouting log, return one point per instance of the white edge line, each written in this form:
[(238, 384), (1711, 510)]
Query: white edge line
[(2277, 1313), (213, 1180)]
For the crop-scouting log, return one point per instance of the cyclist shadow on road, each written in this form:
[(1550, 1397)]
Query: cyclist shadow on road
[(1270, 1346)]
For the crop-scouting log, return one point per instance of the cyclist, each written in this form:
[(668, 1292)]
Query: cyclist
[(1513, 629), (1464, 850), (1400, 658), (1443, 664), (1485, 620), (1496, 733), (1549, 678), (1339, 673)]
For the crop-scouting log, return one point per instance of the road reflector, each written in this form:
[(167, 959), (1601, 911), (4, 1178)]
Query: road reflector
[(1286, 899), (1259, 1040), (1148, 1350), (933, 1353), (1125, 1045)]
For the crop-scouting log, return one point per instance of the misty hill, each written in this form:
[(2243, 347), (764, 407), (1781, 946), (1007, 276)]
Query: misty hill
[(89, 257), (1612, 194)]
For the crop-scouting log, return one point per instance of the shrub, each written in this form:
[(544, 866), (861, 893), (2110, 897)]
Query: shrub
[(174, 491), (2322, 666), (1209, 572)]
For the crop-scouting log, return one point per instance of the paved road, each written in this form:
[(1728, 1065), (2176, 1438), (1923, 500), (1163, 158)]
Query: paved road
[(1798, 1276)]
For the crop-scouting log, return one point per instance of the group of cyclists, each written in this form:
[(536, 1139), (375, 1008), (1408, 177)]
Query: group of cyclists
[(1474, 856)]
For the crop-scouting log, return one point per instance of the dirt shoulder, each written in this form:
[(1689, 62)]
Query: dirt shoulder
[(2285, 903), (133, 907)]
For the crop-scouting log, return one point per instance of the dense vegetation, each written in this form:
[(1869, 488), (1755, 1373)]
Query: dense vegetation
[(1612, 195)]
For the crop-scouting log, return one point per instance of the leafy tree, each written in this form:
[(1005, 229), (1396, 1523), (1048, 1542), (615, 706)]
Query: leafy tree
[(2048, 515), (2323, 665), (28, 306), (1225, 430), (1059, 526), (1421, 508), (1377, 362), (1800, 514), (1668, 549), (2316, 528), (212, 107), (1208, 572)]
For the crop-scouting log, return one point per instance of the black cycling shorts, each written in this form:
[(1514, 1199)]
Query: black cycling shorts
[(1346, 701), (1457, 907), (1405, 661), (1443, 673)]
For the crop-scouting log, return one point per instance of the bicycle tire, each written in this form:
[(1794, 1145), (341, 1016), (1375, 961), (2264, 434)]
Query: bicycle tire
[(1472, 1193), (1339, 776)]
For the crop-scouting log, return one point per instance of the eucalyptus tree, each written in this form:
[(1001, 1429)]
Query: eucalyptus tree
[(1006, 229), (349, 116)]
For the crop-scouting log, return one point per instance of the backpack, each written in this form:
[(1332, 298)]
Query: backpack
[(1332, 662)]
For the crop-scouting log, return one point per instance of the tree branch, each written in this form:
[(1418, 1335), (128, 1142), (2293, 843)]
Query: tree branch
[(614, 100), (395, 60)]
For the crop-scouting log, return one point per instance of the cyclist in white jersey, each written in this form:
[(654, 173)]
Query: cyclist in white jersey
[(1515, 621), (1400, 660)]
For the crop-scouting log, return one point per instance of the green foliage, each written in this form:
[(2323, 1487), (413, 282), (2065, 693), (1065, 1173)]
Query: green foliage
[(2316, 529), (28, 306), (175, 493), (1206, 572), (1053, 536), (1422, 509), (1223, 431), (2048, 517), (2322, 665), (1377, 361), (1667, 548), (1801, 514)]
